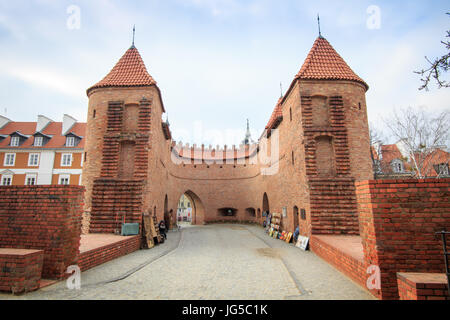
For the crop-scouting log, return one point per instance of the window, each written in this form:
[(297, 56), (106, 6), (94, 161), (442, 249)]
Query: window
[(397, 166), (15, 141), (70, 141), (10, 159), (303, 214), (7, 180), (64, 179), (443, 169), (33, 159), (38, 141), (66, 159), (30, 180)]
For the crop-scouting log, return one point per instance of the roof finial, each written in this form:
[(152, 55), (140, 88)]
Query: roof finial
[(281, 89), (318, 22), (134, 32)]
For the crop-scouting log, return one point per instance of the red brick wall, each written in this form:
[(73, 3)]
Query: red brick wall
[(95, 257), (342, 131), (350, 266), (103, 132), (114, 202), (20, 270), (336, 144), (116, 191), (422, 286), (333, 206), (45, 218), (398, 221)]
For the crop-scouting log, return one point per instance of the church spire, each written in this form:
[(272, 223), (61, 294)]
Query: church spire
[(248, 137)]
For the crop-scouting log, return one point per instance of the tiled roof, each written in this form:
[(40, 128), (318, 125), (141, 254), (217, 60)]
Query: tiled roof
[(53, 129), (276, 117), (324, 63), (436, 157), (27, 128), (390, 152), (166, 130), (130, 71)]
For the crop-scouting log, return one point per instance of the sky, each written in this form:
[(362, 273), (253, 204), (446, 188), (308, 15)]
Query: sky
[(217, 62)]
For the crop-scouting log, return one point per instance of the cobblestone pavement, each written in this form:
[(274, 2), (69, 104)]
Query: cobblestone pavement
[(223, 261)]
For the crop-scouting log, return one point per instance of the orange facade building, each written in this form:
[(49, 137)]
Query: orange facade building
[(42, 152)]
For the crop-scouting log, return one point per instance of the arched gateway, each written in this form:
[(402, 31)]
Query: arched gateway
[(132, 165)]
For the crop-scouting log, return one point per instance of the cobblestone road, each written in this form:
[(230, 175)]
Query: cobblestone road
[(226, 261)]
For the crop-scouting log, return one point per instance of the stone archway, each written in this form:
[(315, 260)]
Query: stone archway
[(198, 209)]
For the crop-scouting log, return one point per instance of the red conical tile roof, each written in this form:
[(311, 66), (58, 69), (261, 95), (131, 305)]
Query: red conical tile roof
[(324, 63), (276, 117), (130, 71)]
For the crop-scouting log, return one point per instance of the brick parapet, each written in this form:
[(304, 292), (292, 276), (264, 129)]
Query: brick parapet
[(20, 270), (353, 268), (398, 222), (422, 286), (44, 218), (98, 256)]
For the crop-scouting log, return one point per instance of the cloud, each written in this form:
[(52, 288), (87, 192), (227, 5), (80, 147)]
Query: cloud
[(46, 78), (218, 61)]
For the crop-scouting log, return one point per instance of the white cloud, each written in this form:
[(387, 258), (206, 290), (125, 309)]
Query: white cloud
[(216, 61), (44, 77)]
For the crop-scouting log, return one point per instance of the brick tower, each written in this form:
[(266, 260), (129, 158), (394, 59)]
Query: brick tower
[(121, 109), (336, 138)]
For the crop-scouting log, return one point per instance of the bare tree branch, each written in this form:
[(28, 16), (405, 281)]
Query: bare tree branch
[(421, 134), (436, 68)]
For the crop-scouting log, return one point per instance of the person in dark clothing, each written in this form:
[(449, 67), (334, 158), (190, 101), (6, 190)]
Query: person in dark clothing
[(162, 229), (296, 234)]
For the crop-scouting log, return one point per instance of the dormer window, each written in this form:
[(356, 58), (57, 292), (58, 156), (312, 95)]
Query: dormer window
[(442, 169), (41, 139), (15, 141), (70, 142), (397, 166), (38, 141)]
